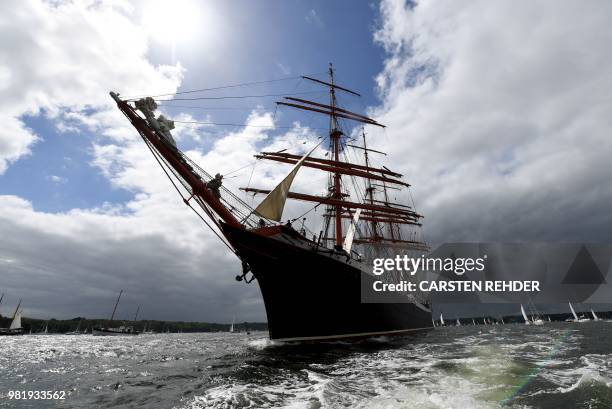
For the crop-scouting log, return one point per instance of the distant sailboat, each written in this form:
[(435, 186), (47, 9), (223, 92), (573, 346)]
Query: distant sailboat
[(473, 322), (77, 331), (595, 317), (458, 323), (525, 315), (16, 324), (536, 319), (442, 320), (232, 326), (576, 318), (15, 328), (122, 330)]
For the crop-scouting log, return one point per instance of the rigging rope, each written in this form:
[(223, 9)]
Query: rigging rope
[(155, 155), (239, 125), (244, 84), (235, 96)]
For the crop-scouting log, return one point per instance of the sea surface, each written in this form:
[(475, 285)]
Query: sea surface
[(558, 365)]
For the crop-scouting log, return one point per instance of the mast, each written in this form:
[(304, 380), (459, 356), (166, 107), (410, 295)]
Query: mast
[(334, 135), (117, 303), (17, 309), (376, 211), (370, 189)]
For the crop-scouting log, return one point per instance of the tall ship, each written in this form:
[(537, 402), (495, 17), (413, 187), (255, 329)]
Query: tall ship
[(310, 276)]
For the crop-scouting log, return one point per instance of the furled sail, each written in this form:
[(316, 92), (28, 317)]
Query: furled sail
[(16, 324), (272, 206), (350, 234)]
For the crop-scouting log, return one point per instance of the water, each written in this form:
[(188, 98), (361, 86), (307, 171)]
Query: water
[(557, 365)]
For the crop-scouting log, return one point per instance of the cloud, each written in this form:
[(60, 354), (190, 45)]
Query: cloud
[(56, 179), (43, 70), (313, 18), (500, 116), (153, 247)]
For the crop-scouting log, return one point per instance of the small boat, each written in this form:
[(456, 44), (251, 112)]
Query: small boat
[(442, 320), (121, 330), (595, 317), (458, 322), (473, 322), (15, 328), (232, 326), (77, 331), (582, 318), (527, 322)]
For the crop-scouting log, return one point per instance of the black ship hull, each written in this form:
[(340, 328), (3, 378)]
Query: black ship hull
[(311, 294)]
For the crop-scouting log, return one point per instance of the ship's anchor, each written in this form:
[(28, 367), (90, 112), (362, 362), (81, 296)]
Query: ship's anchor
[(245, 270)]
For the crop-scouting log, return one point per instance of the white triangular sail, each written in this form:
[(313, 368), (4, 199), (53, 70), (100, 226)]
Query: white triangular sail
[(458, 323), (350, 234), (16, 323), (524, 314), (273, 204), (232, 326), (595, 317), (441, 319), (573, 312)]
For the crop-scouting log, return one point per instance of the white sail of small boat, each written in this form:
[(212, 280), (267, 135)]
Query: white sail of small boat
[(232, 326), (595, 317), (16, 323), (350, 234), (273, 204), (573, 312), (473, 322), (441, 319), (458, 323), (524, 315)]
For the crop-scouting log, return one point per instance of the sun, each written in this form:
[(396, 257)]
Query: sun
[(172, 22)]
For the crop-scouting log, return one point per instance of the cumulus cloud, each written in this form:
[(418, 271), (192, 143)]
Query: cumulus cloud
[(500, 116), (43, 70)]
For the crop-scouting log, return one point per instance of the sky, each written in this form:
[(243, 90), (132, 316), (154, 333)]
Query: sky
[(498, 115)]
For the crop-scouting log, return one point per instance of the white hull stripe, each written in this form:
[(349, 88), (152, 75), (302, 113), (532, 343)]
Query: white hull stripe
[(360, 334)]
